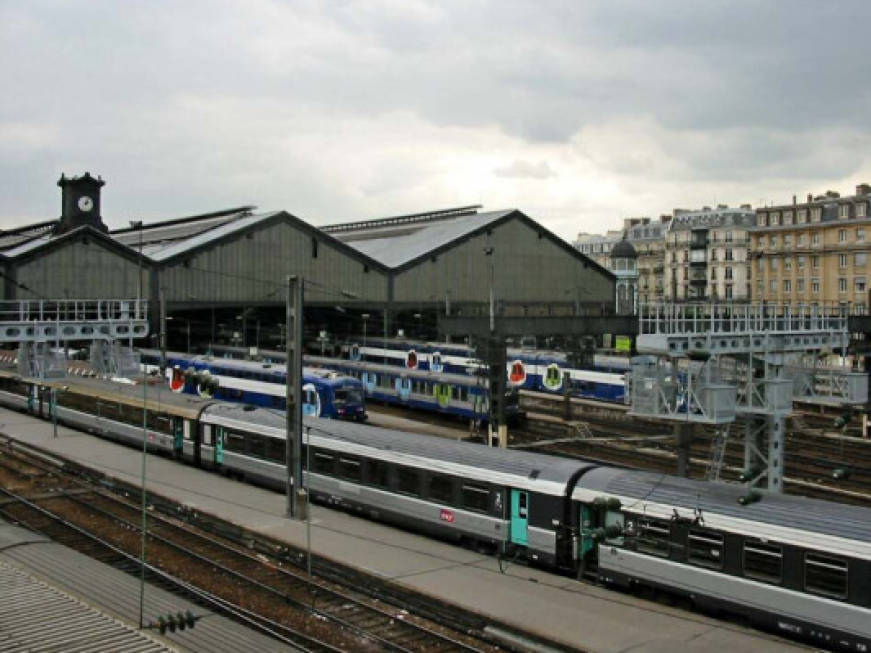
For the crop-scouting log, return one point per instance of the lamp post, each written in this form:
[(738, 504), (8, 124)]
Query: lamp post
[(137, 224), (365, 317)]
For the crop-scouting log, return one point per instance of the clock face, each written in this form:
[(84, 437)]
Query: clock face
[(85, 203)]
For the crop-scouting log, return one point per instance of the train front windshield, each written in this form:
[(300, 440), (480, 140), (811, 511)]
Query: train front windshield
[(345, 396)]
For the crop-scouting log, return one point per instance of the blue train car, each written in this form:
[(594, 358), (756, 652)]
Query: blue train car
[(324, 393), (453, 394)]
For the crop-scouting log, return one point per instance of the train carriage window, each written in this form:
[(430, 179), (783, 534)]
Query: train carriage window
[(654, 537), (349, 468), (409, 481), (441, 488), (235, 442), (322, 462), (378, 473), (705, 549), (256, 445), (825, 575), (276, 450), (476, 497), (763, 561)]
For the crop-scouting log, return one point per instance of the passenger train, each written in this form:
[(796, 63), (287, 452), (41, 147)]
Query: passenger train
[(525, 370), (325, 393), (800, 567)]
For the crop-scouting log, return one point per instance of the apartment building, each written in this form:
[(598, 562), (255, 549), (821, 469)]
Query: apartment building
[(597, 246), (706, 254), (815, 252), (647, 236)]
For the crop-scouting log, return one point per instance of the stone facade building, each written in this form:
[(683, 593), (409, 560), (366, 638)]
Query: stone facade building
[(706, 255), (813, 253)]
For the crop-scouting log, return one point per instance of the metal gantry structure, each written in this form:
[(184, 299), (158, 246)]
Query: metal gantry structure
[(41, 327), (714, 363)]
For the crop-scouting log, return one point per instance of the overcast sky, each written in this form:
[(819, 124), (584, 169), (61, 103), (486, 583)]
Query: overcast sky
[(578, 113)]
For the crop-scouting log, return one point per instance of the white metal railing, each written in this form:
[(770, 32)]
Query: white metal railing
[(73, 310), (664, 318)]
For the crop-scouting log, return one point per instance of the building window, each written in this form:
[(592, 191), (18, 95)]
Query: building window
[(800, 240), (815, 239), (844, 211), (860, 259), (801, 216), (760, 263), (842, 235), (816, 214), (774, 264), (728, 274), (787, 240), (775, 218), (772, 285), (729, 255), (787, 217), (815, 261), (729, 292), (713, 274), (760, 287), (799, 285), (787, 263), (787, 285), (772, 241), (859, 285), (728, 236), (861, 209), (860, 234), (800, 261), (842, 285), (815, 286), (842, 260)]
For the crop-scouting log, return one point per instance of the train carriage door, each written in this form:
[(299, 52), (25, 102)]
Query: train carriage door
[(519, 517), (179, 425), (219, 445), (403, 387), (199, 430)]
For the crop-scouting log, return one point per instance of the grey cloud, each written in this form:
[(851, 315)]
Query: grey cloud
[(519, 169)]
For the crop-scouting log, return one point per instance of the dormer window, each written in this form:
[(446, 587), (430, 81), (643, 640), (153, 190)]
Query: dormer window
[(844, 211)]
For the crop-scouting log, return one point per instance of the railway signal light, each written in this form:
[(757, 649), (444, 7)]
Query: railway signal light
[(841, 474), (842, 420), (750, 497), (172, 622)]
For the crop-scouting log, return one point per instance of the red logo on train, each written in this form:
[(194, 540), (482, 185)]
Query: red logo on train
[(447, 515), (176, 383), (517, 374)]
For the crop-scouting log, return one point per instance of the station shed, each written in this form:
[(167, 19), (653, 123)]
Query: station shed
[(223, 274)]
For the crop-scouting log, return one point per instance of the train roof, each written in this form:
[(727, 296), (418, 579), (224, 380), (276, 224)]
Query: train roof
[(158, 396), (429, 375), (277, 369), (548, 474), (774, 516), (528, 470)]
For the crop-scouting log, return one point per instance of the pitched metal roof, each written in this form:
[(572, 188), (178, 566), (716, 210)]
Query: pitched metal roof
[(397, 250), (176, 247), (38, 608)]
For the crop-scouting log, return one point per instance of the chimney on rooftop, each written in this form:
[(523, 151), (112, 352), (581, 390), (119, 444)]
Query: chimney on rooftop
[(810, 198), (863, 189)]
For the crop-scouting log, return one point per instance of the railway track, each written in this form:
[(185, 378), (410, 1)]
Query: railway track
[(264, 586), (814, 455)]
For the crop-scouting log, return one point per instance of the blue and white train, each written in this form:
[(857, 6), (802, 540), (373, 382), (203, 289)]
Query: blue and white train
[(325, 393), (526, 370)]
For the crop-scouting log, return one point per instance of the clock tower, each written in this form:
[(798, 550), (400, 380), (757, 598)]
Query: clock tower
[(80, 203)]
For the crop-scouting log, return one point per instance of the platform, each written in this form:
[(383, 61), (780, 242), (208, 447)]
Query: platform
[(578, 614)]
